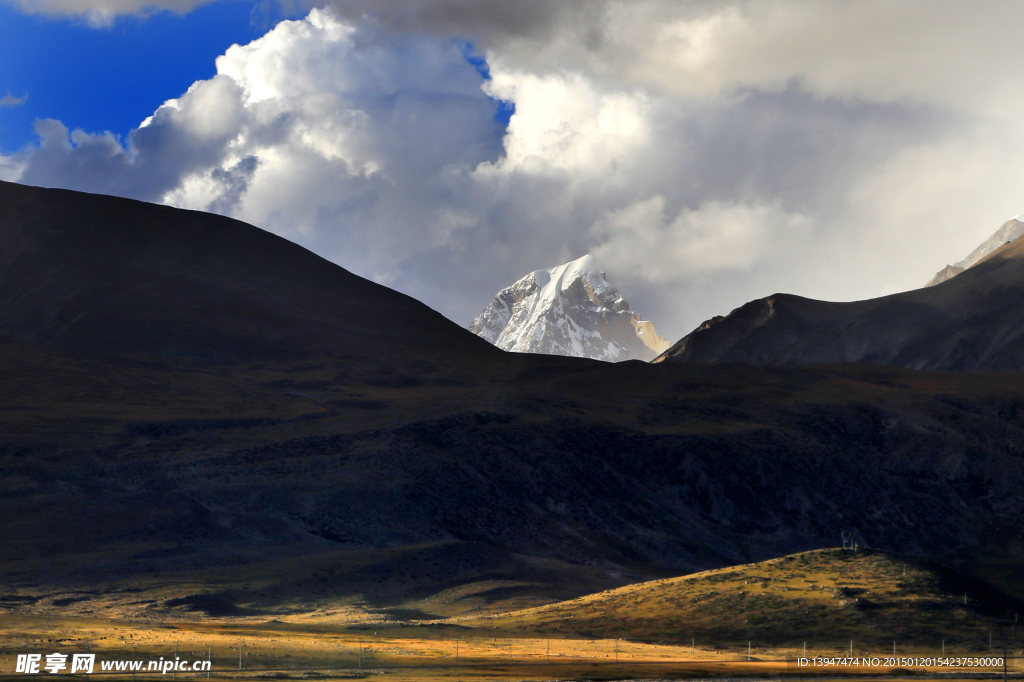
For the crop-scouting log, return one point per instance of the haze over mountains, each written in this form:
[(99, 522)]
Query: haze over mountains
[(568, 310), (189, 391)]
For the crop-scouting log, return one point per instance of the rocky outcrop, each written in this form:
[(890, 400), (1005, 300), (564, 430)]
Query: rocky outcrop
[(948, 272), (650, 336)]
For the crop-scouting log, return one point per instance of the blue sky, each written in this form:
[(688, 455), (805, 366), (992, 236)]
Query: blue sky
[(111, 78)]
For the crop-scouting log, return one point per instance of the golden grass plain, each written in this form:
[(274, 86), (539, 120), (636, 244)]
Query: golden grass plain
[(682, 627), (288, 651)]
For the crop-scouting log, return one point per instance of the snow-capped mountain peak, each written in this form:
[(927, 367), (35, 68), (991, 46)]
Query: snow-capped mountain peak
[(1007, 232), (570, 309)]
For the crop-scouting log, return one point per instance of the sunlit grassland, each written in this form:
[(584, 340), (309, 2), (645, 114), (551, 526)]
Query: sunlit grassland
[(828, 598), (277, 650), (739, 621)]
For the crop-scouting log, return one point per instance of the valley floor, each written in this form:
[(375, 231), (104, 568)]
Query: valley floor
[(277, 650)]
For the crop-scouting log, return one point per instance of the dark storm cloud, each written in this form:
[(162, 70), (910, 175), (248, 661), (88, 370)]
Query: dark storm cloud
[(480, 20)]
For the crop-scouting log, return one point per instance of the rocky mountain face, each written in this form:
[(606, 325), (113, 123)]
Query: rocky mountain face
[(568, 310), (974, 321), (1009, 231), (948, 272)]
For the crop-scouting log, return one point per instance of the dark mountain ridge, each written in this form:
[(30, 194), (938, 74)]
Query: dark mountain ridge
[(99, 275), (974, 321)]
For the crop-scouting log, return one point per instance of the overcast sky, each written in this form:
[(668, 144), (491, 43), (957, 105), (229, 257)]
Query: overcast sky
[(707, 153)]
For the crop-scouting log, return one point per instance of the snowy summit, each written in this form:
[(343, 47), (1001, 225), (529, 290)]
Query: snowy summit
[(1006, 233), (568, 310)]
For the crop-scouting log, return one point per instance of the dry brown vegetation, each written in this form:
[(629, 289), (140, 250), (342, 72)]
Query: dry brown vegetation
[(824, 597), (696, 625), (280, 650)]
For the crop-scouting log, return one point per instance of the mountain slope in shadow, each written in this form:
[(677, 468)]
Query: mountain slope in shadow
[(974, 321), (99, 275)]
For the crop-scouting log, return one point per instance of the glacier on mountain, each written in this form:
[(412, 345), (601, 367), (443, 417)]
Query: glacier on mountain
[(571, 310)]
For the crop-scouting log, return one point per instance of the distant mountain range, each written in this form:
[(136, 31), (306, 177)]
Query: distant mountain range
[(1009, 231), (568, 310)]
